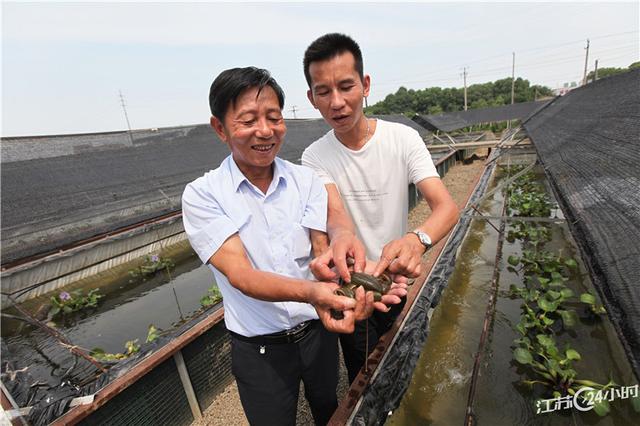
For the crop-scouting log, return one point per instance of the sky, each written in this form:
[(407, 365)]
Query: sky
[(65, 64)]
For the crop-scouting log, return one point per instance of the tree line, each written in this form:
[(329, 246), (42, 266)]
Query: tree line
[(436, 100)]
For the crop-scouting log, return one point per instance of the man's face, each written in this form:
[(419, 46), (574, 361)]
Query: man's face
[(254, 129), (337, 91)]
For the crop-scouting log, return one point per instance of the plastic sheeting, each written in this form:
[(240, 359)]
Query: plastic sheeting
[(394, 374), (589, 144), (457, 120)]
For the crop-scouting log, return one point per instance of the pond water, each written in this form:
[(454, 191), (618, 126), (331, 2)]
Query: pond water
[(127, 308), (439, 390)]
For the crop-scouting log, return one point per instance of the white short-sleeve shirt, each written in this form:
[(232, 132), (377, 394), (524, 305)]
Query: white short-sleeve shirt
[(373, 181), (274, 229)]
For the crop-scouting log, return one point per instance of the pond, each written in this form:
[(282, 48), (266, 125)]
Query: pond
[(440, 387), (128, 306)]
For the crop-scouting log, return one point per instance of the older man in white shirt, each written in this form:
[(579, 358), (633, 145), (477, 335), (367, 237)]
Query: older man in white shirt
[(255, 221)]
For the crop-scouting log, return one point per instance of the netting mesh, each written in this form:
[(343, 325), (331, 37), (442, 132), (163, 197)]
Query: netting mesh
[(208, 360), (156, 399), (589, 144)]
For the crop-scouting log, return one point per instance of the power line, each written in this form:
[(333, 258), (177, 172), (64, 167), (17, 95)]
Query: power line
[(503, 55)]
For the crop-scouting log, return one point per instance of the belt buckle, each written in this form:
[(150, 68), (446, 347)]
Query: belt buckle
[(298, 332)]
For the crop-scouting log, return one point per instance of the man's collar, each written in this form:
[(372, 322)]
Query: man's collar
[(237, 177)]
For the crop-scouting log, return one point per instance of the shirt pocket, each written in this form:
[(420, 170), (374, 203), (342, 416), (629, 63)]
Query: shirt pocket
[(301, 243)]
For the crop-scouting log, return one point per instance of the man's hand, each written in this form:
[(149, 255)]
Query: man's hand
[(342, 247), (402, 256), (324, 301)]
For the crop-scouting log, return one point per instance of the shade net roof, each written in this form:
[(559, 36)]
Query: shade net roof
[(403, 119), (62, 189), (589, 144), (451, 121), (58, 190)]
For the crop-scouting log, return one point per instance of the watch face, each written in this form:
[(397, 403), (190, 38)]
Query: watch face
[(424, 238)]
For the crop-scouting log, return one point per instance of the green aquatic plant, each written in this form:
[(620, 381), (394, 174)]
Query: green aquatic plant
[(542, 263), (66, 303), (212, 297), (590, 300), (152, 264), (554, 369), (131, 347), (529, 232), (543, 305)]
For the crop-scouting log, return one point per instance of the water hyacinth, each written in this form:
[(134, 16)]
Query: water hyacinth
[(155, 258), (64, 296)]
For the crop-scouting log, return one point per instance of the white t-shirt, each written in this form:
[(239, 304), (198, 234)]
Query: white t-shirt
[(373, 182)]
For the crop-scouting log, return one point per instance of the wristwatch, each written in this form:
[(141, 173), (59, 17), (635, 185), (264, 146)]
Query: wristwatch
[(424, 238)]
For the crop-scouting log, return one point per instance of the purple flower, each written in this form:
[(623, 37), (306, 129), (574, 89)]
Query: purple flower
[(155, 258), (64, 296)]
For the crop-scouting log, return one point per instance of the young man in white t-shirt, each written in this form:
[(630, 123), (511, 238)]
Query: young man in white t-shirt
[(366, 166)]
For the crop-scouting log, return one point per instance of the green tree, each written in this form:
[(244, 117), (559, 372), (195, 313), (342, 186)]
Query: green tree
[(435, 100)]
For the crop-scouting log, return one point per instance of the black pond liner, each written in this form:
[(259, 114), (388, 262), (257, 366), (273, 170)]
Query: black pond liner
[(51, 403), (394, 374), (589, 144)]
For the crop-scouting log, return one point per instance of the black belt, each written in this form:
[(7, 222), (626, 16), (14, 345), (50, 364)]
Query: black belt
[(292, 335)]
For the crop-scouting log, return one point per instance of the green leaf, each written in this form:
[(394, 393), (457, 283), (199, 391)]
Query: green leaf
[(523, 356), (556, 276), (566, 293), (569, 318), (152, 334), (513, 260), (601, 407), (543, 280), (635, 402), (554, 294), (545, 340), (572, 354), (547, 305), (571, 263), (588, 298), (547, 321)]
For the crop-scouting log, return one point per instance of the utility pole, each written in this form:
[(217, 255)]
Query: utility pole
[(513, 77), (464, 74), (586, 59), (595, 72), (124, 108), (293, 110)]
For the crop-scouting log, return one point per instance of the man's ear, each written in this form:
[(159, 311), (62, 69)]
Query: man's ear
[(366, 85), (310, 97), (219, 128)]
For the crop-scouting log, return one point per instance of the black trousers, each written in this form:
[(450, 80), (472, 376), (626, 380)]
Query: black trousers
[(354, 346), (269, 382)]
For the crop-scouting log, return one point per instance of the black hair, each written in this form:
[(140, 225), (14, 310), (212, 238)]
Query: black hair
[(230, 84), (328, 46)]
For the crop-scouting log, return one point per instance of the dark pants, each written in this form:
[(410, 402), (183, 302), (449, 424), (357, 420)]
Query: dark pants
[(354, 346), (269, 383)]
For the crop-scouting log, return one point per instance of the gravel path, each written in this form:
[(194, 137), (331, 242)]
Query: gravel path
[(226, 409)]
